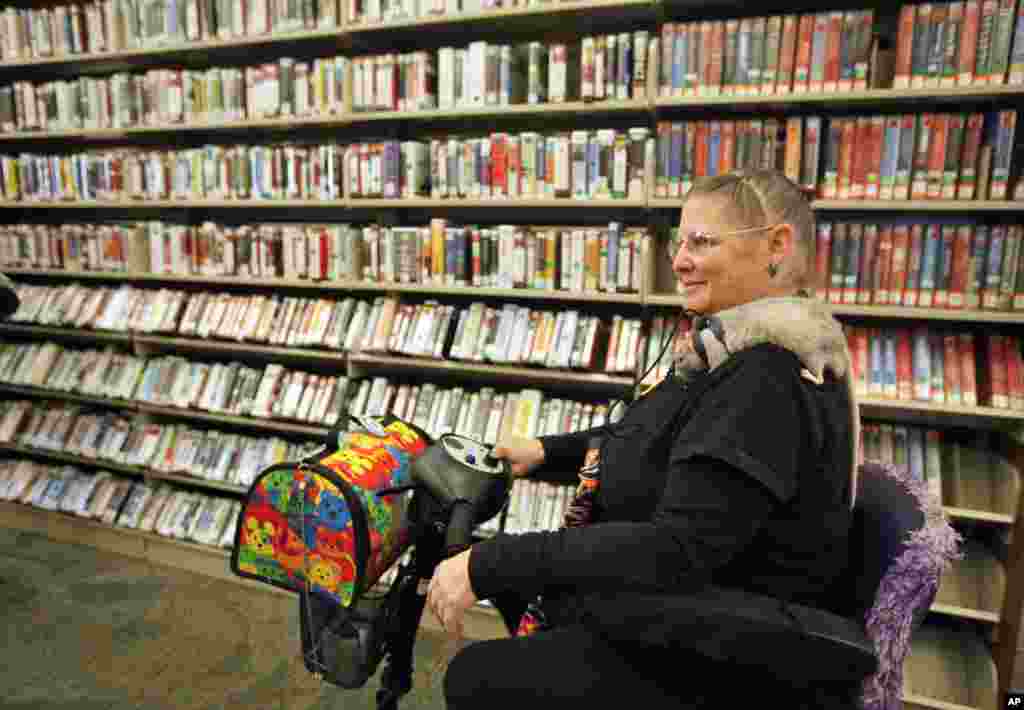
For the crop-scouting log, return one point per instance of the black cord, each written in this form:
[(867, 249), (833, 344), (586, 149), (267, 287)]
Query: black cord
[(608, 427)]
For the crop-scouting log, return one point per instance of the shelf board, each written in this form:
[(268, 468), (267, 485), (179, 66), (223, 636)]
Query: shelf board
[(941, 314), (980, 516), (887, 205), (523, 293), (106, 464), (934, 408), (91, 58), (526, 373), (500, 111), (266, 424), (174, 128), (949, 670), (43, 393), (951, 315), (99, 336), (235, 347), (150, 204), (499, 14), (341, 286), (974, 587), (73, 459), (518, 203), (921, 205), (869, 96)]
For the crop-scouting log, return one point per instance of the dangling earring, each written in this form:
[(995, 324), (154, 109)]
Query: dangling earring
[(773, 269)]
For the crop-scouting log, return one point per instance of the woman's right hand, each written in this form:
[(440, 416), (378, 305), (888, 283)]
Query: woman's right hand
[(523, 454)]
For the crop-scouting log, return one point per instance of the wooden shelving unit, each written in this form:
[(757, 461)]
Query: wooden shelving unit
[(951, 667)]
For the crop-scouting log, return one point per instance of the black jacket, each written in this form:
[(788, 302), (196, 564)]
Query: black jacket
[(740, 479)]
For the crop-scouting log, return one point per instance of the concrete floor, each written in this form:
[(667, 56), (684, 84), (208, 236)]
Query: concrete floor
[(85, 629)]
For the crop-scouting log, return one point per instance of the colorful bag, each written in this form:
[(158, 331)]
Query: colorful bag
[(324, 523)]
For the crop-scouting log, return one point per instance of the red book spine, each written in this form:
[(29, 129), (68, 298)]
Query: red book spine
[(1017, 381), (968, 375), (900, 260), (861, 155), (883, 267), (997, 372), (824, 249), (802, 68), (846, 159), (951, 369), (904, 364), (868, 264), (961, 267), (904, 45)]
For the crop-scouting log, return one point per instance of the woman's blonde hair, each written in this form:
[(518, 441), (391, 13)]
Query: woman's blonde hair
[(763, 197)]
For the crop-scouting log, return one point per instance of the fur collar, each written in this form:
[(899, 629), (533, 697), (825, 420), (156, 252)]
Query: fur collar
[(802, 325)]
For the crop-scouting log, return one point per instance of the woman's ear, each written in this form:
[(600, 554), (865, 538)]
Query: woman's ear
[(781, 241)]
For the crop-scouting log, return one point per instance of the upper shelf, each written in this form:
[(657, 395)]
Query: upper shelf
[(918, 206), (870, 98)]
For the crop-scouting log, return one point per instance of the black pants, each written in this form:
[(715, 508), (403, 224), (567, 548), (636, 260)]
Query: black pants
[(569, 666)]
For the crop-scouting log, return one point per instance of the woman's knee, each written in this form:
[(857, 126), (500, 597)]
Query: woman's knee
[(466, 677)]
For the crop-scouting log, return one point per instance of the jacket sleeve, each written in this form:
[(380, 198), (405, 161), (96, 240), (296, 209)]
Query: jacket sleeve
[(733, 463)]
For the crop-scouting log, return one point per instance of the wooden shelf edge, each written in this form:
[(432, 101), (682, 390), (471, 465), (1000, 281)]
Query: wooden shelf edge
[(859, 96), (126, 469), (61, 332), (500, 14), (965, 613), (239, 347), (887, 205), (512, 202), (376, 360), (254, 422), (92, 58), (981, 516), (40, 392), (931, 408)]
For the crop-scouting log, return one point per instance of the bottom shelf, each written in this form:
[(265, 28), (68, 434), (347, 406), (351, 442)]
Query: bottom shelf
[(481, 623), (952, 664)]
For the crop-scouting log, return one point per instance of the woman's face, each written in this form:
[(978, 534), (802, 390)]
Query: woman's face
[(715, 273)]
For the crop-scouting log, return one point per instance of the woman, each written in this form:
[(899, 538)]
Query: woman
[(737, 470)]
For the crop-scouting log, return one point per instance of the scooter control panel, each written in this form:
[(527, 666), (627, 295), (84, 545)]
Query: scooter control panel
[(472, 453)]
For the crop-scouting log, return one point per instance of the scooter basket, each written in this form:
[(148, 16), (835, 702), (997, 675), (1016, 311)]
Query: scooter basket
[(320, 524)]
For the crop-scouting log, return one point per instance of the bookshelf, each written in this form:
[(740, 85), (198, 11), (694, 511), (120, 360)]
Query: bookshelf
[(965, 660)]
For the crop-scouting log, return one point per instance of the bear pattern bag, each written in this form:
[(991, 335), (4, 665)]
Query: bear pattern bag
[(332, 523)]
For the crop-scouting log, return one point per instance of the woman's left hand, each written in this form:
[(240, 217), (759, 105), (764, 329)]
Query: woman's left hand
[(450, 593)]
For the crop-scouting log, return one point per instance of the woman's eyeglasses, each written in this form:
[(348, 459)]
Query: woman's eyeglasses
[(701, 242)]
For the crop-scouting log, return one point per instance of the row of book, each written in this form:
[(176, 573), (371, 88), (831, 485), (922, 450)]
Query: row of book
[(161, 508), (939, 366), (536, 506), (480, 332), (944, 459), (171, 448), (485, 414), (603, 164), (593, 68), (965, 156), (441, 253), (106, 26), (924, 156), (953, 266), (178, 96), (268, 392), (96, 27)]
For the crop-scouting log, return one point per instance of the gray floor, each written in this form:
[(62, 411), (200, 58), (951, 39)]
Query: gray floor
[(91, 630)]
